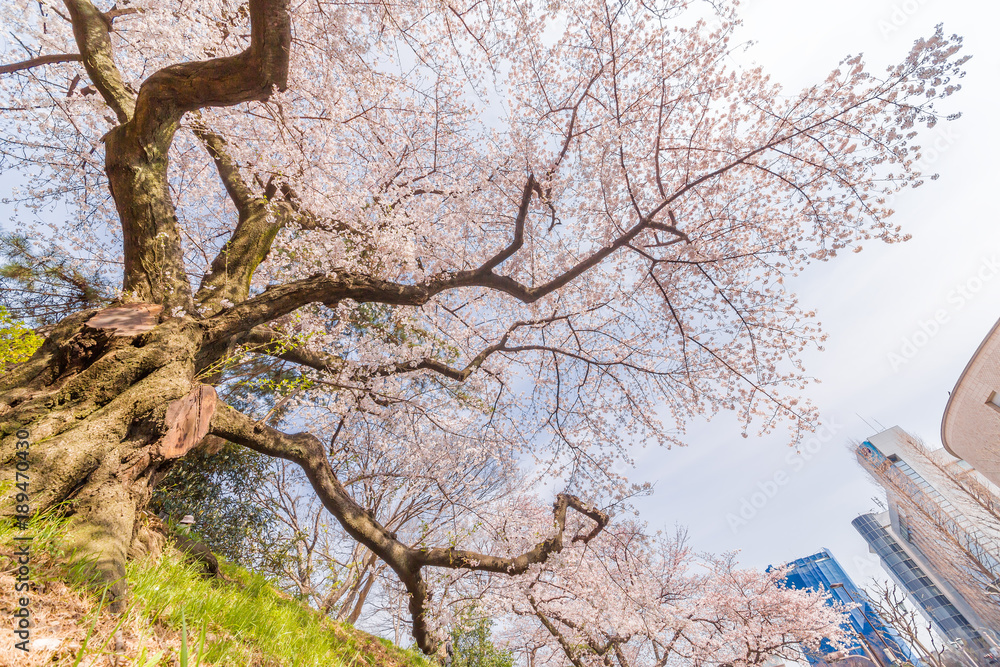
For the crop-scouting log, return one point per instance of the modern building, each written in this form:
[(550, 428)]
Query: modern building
[(875, 640), (940, 538), (970, 429), (926, 595)]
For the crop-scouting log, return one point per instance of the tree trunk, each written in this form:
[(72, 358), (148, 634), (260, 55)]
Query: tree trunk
[(90, 408), (97, 415)]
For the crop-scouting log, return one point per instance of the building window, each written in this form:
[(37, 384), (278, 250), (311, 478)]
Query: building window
[(904, 528), (994, 401)]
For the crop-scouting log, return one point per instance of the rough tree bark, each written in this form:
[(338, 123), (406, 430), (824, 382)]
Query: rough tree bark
[(103, 406)]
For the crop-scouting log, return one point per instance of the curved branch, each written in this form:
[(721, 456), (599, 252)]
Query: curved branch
[(40, 60), (92, 30), (470, 560), (613, 642), (228, 170), (331, 289), (522, 215), (136, 153), (249, 76), (268, 341), (228, 279), (567, 647), (308, 452), (320, 288), (260, 220)]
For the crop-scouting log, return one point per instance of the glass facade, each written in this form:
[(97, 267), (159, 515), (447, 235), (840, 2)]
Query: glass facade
[(923, 494), (875, 640), (961, 527), (937, 608), (950, 531)]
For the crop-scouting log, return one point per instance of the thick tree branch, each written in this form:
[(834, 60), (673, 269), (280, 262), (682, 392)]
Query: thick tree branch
[(308, 452), (228, 280), (320, 288), (117, 11), (268, 341), (330, 290), (441, 368), (470, 560), (260, 219), (567, 647), (40, 60), (251, 75), (522, 215), (613, 641), (92, 31), (137, 150), (229, 171), (264, 340)]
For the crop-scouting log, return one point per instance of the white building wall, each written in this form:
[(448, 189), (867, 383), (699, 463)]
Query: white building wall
[(946, 481)]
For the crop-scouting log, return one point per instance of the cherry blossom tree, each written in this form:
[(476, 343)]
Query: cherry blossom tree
[(423, 500), (889, 602), (554, 230), (629, 598)]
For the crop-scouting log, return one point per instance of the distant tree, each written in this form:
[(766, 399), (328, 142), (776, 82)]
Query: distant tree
[(472, 644), (890, 604), (17, 341), (44, 287), (631, 599)]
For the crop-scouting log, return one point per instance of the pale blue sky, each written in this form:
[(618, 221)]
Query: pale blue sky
[(869, 303)]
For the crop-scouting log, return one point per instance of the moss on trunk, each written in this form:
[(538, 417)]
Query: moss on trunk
[(87, 414)]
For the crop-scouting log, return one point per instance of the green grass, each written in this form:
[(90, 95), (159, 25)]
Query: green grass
[(221, 623), (251, 618)]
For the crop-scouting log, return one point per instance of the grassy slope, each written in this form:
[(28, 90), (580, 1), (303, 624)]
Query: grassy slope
[(230, 624)]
